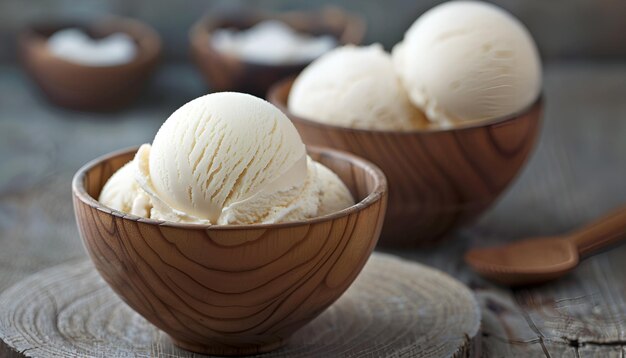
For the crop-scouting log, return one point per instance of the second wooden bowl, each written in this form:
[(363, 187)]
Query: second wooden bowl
[(438, 179), (225, 72), (81, 87), (230, 290)]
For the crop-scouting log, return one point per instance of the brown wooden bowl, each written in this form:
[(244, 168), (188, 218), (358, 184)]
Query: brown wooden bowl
[(224, 72), (438, 179), (82, 87), (230, 290)]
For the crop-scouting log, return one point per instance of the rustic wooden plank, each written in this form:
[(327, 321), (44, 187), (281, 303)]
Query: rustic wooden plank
[(41, 147), (589, 306), (576, 174), (616, 351), (395, 308)]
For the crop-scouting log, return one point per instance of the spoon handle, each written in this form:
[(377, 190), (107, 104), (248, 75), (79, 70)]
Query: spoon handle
[(601, 233)]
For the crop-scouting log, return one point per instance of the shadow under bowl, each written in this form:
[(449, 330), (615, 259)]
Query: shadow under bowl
[(439, 179), (231, 290), (225, 72), (90, 88)]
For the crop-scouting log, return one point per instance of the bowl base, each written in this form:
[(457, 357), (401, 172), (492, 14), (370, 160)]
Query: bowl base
[(224, 350)]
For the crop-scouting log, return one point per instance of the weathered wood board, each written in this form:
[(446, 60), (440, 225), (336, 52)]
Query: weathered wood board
[(395, 308), (576, 174)]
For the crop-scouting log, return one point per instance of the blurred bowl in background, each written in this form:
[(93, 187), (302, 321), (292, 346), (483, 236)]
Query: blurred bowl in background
[(92, 88), (439, 179), (225, 72)]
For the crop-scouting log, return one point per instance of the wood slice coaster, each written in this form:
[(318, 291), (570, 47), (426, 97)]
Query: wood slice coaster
[(394, 308)]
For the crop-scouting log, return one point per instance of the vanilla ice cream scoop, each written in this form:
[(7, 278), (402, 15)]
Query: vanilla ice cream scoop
[(354, 87), (227, 159), (468, 61), (222, 149)]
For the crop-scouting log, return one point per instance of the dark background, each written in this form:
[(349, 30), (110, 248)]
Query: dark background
[(563, 29)]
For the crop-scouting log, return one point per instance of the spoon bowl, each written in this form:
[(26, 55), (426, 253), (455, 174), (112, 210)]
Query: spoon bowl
[(520, 264), (543, 259)]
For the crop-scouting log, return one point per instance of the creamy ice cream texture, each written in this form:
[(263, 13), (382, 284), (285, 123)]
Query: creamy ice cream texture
[(123, 193), (226, 158), (468, 61), (354, 87), (76, 46), (272, 42)]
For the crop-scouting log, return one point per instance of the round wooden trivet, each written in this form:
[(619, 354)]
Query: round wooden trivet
[(395, 308)]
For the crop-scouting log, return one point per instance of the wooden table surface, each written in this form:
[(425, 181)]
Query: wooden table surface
[(577, 172)]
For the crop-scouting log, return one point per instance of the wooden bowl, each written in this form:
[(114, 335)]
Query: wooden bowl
[(438, 179), (82, 87), (224, 72), (230, 290)]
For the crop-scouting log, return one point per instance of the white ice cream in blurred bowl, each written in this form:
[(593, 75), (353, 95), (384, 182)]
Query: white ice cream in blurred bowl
[(226, 158), (272, 42), (74, 45), (354, 87), (466, 61), (249, 51)]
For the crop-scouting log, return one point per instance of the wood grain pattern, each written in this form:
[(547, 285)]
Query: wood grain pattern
[(230, 290), (438, 179), (87, 87), (224, 72), (395, 308)]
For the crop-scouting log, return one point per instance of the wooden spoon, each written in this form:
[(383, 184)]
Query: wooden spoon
[(538, 260)]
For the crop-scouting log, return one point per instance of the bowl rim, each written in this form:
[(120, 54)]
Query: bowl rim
[(201, 30), (148, 40), (274, 98), (380, 190)]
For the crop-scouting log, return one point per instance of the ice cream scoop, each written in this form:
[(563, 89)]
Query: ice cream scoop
[(222, 149), (354, 87), (466, 61), (229, 158)]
